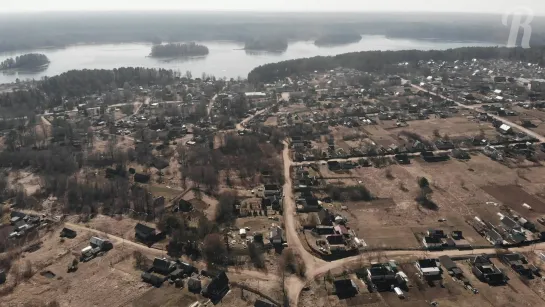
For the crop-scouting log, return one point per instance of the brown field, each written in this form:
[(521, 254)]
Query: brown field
[(110, 278), (461, 191), (514, 196), (456, 126)]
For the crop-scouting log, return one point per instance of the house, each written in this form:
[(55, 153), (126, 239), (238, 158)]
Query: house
[(275, 236), (381, 276), (336, 239), (537, 85), (324, 230), (451, 267), (510, 224), (102, 244), (153, 279), (217, 288), (297, 142), (436, 233), (325, 217), (163, 266), (144, 233), (394, 80), (187, 269), (428, 267), (486, 271), (345, 288), (272, 190), (494, 237), (68, 233), (517, 263)]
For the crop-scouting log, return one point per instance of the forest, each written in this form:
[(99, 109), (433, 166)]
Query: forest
[(378, 60), (25, 61), (178, 50), (266, 44)]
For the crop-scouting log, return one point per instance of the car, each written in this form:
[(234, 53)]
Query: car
[(442, 220)]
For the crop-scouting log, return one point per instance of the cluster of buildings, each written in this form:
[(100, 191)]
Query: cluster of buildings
[(96, 246), (212, 285), (438, 239), (512, 229), (23, 224)]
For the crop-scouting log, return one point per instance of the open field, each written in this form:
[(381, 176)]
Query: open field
[(460, 190), (460, 124), (110, 278)]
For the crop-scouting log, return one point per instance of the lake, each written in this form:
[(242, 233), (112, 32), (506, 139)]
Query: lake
[(224, 60)]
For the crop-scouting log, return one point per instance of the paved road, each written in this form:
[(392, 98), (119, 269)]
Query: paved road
[(529, 132)]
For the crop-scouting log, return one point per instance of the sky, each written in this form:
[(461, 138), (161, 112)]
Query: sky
[(481, 6)]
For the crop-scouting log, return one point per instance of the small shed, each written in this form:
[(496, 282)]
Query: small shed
[(152, 279), (68, 233), (144, 233), (163, 266), (505, 129), (141, 178), (194, 284)]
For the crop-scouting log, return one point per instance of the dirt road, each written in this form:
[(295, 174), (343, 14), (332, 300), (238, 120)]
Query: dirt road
[(293, 284), (477, 108), (211, 104)]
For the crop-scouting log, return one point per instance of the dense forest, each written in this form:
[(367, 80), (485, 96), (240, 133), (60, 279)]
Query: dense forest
[(178, 50), (266, 44), (337, 39), (377, 60), (25, 61), (31, 31)]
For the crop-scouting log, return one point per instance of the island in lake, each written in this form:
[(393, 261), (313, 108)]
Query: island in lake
[(266, 44), (337, 39), (178, 50), (30, 61)]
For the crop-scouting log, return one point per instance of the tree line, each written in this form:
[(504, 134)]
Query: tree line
[(25, 61), (378, 60), (178, 50)]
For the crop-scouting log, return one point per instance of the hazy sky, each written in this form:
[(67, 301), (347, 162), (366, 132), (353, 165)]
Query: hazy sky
[(490, 6)]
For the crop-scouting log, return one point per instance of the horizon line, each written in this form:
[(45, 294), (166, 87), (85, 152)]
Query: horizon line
[(174, 11)]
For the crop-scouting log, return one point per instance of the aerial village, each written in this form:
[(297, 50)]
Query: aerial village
[(333, 188)]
